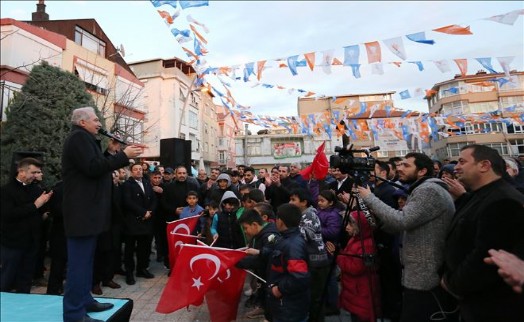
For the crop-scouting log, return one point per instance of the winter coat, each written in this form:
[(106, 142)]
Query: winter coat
[(20, 219), (491, 217), (331, 224), (356, 295), (88, 183), (174, 196), (265, 242), (310, 229), (289, 271), (226, 225), (136, 203)]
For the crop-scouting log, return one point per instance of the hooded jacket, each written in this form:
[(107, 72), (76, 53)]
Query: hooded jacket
[(216, 193), (225, 224), (356, 295)]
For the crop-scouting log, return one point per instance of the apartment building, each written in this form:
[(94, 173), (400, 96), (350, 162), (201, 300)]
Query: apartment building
[(178, 109), (480, 93), (79, 46)]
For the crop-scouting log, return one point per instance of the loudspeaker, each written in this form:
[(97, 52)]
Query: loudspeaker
[(19, 155), (175, 152)]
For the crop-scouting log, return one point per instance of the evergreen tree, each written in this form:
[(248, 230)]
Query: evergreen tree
[(39, 118)]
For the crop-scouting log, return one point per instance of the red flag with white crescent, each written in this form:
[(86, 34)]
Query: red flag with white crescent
[(224, 295), (182, 227), (174, 241), (195, 271)]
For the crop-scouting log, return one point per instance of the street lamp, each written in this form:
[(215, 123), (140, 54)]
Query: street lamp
[(186, 102)]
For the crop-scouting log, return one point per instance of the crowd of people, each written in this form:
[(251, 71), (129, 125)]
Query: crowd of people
[(443, 241)]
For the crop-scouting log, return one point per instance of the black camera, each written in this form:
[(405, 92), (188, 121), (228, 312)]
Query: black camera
[(358, 167)]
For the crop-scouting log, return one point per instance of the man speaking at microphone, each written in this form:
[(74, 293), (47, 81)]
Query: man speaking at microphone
[(86, 173)]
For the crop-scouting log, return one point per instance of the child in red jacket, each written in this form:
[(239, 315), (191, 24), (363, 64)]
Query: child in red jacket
[(360, 284)]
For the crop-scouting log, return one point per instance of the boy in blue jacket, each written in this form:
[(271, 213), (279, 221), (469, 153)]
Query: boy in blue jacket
[(288, 278)]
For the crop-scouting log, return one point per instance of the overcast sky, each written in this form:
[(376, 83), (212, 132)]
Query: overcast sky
[(242, 32)]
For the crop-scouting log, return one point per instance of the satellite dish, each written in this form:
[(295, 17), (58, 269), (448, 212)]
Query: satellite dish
[(122, 50)]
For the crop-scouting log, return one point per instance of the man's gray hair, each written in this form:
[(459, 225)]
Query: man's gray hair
[(81, 114)]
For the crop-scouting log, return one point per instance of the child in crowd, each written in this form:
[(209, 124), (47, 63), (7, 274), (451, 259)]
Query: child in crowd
[(266, 211), (328, 208), (359, 279), (289, 277), (192, 208), (318, 262), (225, 228), (263, 237), (206, 221)]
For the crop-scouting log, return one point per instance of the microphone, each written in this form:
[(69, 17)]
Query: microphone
[(111, 136)]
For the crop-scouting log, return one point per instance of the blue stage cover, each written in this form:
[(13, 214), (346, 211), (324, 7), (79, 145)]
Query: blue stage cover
[(46, 308)]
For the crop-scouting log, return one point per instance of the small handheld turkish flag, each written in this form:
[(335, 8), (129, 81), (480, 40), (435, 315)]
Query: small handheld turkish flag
[(196, 269), (181, 227)]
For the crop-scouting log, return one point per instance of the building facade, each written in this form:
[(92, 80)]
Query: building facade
[(480, 93), (80, 47), (228, 129), (177, 109)]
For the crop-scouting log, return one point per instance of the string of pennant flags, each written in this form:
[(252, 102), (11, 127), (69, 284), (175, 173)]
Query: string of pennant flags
[(405, 124)]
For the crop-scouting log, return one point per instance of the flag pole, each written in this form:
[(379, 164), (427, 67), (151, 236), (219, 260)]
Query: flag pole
[(255, 275)]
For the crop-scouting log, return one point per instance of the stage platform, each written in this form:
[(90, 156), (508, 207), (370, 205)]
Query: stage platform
[(48, 308)]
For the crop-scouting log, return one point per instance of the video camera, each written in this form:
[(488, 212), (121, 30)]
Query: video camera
[(358, 167)]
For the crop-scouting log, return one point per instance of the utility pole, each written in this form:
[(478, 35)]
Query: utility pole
[(186, 102), (245, 144)]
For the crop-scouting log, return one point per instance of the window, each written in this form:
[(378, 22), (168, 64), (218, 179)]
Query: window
[(515, 128), (513, 83), (454, 148), (483, 107), (130, 129), (517, 146), (455, 108), (442, 153), (449, 90), (502, 148), (477, 88), (94, 77), (195, 144), (508, 101), (254, 150), (89, 41), (193, 120), (382, 154), (477, 128), (401, 153), (222, 157)]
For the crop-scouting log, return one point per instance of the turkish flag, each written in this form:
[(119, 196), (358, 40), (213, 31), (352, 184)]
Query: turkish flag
[(224, 295), (181, 227), (196, 269), (173, 244), (319, 166)]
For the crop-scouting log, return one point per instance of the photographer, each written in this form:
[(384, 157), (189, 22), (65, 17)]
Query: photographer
[(424, 220)]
